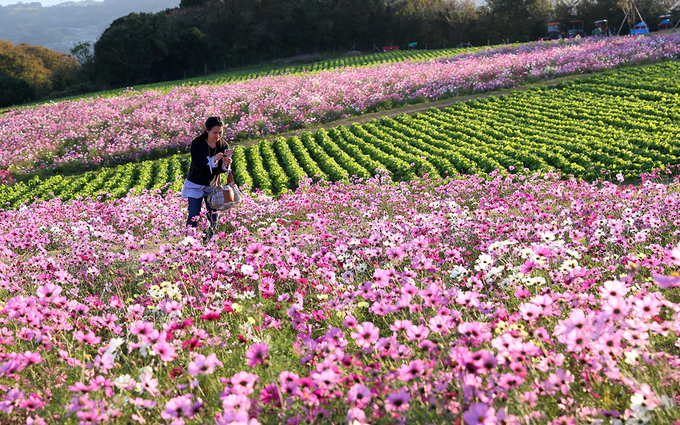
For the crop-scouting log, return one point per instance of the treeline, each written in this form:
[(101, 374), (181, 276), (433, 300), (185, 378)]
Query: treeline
[(203, 36), (31, 72)]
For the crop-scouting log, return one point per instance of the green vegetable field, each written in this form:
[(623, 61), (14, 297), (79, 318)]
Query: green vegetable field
[(625, 121)]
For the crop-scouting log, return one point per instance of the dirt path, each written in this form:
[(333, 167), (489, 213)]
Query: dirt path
[(412, 109)]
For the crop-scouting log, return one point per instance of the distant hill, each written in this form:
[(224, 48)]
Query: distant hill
[(60, 27)]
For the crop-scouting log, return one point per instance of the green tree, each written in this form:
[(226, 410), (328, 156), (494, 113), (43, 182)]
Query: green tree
[(133, 49), (15, 91), (193, 3)]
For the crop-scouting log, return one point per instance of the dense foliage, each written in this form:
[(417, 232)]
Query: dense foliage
[(30, 71)]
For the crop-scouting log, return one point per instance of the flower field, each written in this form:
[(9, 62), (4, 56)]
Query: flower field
[(219, 78), (511, 299), (478, 264), (623, 123), (394, 56), (87, 133)]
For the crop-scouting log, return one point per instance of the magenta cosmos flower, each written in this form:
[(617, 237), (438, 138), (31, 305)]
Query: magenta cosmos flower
[(398, 401), (257, 354)]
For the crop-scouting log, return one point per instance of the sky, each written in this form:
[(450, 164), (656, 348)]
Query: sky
[(43, 2)]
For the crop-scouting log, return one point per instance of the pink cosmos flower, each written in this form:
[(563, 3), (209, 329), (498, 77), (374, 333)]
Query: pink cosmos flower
[(381, 278), (480, 413), (355, 414), (288, 381), (32, 403), (325, 379), (417, 333), (143, 403), (413, 370), (647, 307), (202, 365), (244, 382), (142, 328), (475, 330), (528, 266), (350, 321), (147, 257), (82, 388), (177, 407), (675, 255), (88, 338), (613, 289), (616, 308), (256, 249), (561, 380), (398, 402), (359, 394), (257, 353), (577, 340), (149, 383), (666, 282), (11, 400), (49, 291), (236, 418), (31, 358), (165, 351), (366, 334), (440, 324), (236, 403), (401, 325), (530, 312)]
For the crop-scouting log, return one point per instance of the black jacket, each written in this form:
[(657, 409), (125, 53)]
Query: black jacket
[(199, 172)]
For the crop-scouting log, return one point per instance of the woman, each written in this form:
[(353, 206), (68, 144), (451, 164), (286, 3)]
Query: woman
[(208, 161)]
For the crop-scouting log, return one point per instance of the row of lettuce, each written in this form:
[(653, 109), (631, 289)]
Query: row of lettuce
[(624, 124), (113, 182)]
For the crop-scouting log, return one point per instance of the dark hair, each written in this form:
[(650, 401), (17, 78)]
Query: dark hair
[(213, 122), (209, 124)]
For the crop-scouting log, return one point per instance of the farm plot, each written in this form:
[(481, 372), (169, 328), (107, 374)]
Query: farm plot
[(77, 136), (598, 127)]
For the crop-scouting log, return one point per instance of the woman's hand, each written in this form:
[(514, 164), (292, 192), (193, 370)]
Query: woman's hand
[(218, 156), (227, 162)]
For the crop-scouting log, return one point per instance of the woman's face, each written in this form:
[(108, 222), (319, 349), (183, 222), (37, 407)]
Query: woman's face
[(215, 134)]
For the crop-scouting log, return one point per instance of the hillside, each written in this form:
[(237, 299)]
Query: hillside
[(60, 27)]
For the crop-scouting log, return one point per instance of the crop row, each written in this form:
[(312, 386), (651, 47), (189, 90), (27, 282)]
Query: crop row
[(114, 182)]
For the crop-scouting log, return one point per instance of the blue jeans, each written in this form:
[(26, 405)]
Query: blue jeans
[(195, 205)]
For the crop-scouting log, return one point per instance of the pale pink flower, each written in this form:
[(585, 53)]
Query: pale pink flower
[(202, 365), (366, 334)]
